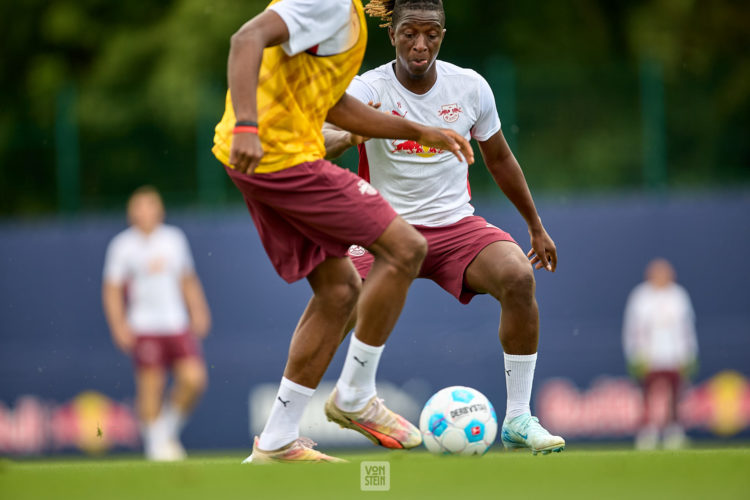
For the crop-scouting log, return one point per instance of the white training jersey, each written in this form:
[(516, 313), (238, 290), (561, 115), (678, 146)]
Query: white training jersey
[(151, 268), (426, 186), (659, 327), (330, 27)]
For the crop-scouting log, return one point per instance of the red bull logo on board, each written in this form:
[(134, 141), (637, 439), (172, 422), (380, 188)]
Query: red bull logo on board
[(90, 422), (613, 407)]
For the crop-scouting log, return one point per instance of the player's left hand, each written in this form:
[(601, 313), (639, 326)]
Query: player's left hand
[(638, 369), (200, 326), (543, 253), (690, 369), (447, 139)]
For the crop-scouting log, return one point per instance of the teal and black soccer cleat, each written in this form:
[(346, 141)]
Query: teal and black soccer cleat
[(524, 431)]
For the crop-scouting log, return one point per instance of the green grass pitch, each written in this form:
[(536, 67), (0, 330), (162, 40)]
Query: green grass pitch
[(597, 474)]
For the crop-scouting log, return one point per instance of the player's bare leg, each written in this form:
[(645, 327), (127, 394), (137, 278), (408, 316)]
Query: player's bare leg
[(350, 324), (190, 381), (399, 253), (336, 286), (149, 385), (503, 270)]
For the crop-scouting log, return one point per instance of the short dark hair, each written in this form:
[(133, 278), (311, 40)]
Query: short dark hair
[(147, 190), (389, 11)]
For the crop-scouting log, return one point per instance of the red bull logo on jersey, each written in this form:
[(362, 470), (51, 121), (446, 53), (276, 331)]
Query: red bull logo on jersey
[(414, 148), (450, 112)]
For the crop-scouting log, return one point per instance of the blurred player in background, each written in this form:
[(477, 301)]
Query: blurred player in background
[(428, 188), (661, 349), (157, 313), (288, 70)]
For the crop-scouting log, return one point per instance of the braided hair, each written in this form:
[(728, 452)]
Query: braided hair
[(389, 11)]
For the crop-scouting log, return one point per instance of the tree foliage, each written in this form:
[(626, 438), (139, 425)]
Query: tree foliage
[(145, 74)]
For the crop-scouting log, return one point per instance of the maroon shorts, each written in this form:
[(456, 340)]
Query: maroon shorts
[(161, 351), (657, 386), (311, 212), (450, 250)]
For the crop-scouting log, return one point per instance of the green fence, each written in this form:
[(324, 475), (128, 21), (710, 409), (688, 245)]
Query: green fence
[(573, 127)]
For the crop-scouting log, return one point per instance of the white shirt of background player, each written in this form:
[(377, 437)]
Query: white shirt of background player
[(152, 268), (659, 327)]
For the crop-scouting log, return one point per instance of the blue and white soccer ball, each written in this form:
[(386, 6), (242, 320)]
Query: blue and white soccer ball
[(458, 420)]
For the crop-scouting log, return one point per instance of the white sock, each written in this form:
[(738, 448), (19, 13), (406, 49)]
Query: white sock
[(282, 426), (152, 435), (356, 385), (519, 377), (173, 420)]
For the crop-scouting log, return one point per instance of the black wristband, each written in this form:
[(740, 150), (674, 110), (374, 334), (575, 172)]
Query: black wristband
[(246, 123)]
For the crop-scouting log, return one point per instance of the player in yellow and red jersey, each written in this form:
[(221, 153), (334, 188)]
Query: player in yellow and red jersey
[(288, 71)]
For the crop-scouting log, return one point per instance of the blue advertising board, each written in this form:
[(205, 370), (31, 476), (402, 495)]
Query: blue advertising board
[(61, 378)]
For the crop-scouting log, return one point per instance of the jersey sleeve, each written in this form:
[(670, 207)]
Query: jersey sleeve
[(631, 338), (311, 22), (115, 263), (691, 338), (362, 91), (187, 264), (488, 122)]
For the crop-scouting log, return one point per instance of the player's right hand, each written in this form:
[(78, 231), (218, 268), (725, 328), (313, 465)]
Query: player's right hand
[(449, 140), (246, 152)]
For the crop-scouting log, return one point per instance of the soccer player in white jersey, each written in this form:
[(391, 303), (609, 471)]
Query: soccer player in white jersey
[(427, 187), (157, 313), (661, 349)]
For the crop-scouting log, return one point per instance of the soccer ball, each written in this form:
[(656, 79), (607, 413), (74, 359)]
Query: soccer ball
[(458, 420)]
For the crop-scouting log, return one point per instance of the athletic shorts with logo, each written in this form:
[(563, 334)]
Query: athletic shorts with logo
[(311, 212), (162, 351), (450, 250)]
